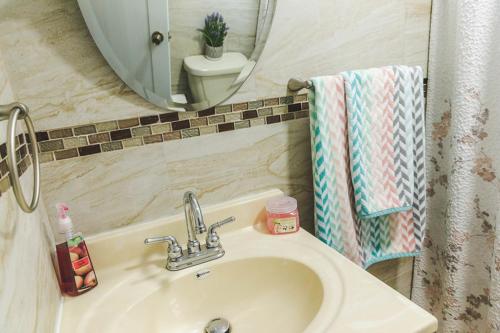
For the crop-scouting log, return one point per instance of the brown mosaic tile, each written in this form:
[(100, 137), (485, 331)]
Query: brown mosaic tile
[(257, 122), (181, 124), (61, 133), (265, 112), (42, 136), (167, 117), (84, 130), (294, 107), (46, 157), (287, 116), (4, 184), (161, 128), (208, 130), (89, 150), (273, 119), (110, 146), (134, 142), (127, 123), (271, 101), (197, 122), (250, 114), (216, 119), (255, 104), (106, 126), (75, 142), (20, 139), (51, 145), (300, 98), (223, 109), (207, 112), (21, 152), (99, 138), (3, 168), (242, 124), (286, 100), (172, 136), (240, 106), (225, 127), (302, 114), (187, 115), (190, 132), (149, 120), (232, 117), (153, 139), (23, 166), (141, 131), (121, 134), (280, 109), (65, 154)]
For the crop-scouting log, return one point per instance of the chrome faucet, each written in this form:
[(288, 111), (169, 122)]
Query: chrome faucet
[(196, 253), (194, 221)]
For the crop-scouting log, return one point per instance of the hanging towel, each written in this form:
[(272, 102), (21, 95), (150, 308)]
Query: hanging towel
[(379, 112), (366, 241)]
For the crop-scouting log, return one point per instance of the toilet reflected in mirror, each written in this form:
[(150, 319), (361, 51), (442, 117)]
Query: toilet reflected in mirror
[(181, 56)]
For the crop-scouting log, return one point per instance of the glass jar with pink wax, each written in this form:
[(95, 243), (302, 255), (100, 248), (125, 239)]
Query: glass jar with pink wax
[(282, 215)]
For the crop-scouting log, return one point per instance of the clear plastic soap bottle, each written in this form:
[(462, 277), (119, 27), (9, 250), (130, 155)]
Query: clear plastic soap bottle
[(76, 273)]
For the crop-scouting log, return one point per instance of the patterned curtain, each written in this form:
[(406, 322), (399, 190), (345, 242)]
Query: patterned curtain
[(458, 276)]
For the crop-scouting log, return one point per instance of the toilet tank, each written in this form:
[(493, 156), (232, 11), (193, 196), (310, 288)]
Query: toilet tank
[(214, 80)]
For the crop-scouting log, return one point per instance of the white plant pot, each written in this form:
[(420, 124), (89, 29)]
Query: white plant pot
[(213, 53)]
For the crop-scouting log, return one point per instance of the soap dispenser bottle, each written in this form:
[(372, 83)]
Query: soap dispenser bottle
[(76, 273)]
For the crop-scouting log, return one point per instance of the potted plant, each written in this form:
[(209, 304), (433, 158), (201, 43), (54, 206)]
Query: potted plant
[(214, 32)]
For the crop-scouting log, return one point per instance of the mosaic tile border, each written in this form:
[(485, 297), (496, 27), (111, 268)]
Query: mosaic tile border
[(84, 140), (23, 148)]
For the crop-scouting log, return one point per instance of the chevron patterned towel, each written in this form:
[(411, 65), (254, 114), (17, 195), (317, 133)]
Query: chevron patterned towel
[(379, 110), (366, 241)]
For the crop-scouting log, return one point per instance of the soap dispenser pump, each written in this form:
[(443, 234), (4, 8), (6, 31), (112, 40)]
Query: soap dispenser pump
[(76, 273)]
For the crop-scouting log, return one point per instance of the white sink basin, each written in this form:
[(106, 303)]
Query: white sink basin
[(256, 295), (264, 283)]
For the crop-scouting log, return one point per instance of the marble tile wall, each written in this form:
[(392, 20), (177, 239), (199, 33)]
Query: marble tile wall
[(58, 71), (55, 68), (187, 16), (29, 294)]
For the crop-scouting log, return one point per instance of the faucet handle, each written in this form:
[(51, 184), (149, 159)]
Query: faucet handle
[(174, 250), (213, 240)]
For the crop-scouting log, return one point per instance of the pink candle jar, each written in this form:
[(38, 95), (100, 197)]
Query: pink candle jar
[(282, 215)]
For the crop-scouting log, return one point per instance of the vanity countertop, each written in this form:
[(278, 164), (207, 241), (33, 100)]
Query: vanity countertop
[(327, 292)]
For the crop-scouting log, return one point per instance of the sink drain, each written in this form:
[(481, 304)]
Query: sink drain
[(218, 325)]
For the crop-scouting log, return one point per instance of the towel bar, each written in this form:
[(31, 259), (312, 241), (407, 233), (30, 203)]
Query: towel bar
[(13, 112), (297, 84)]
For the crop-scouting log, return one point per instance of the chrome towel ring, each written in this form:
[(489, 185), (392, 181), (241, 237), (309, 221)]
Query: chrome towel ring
[(13, 112)]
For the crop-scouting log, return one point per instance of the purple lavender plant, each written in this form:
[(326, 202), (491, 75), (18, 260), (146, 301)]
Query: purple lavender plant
[(215, 30)]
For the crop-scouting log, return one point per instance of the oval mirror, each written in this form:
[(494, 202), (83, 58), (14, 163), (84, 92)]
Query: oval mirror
[(181, 55)]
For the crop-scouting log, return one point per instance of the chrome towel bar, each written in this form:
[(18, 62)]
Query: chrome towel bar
[(297, 84), (13, 112)]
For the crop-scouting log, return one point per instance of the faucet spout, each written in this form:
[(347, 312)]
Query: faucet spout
[(194, 221)]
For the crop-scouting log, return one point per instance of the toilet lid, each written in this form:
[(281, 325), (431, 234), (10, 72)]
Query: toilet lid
[(230, 63)]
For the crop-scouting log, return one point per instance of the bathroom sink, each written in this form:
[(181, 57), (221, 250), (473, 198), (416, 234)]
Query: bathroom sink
[(287, 283), (255, 295)]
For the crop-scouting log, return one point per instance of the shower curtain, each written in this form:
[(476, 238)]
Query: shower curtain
[(457, 278)]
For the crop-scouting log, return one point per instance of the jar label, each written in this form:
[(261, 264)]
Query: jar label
[(285, 225)]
